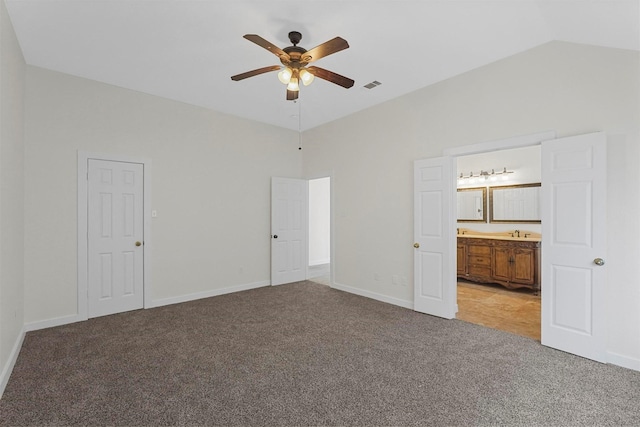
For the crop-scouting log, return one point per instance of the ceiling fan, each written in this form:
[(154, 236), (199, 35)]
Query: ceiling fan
[(295, 60)]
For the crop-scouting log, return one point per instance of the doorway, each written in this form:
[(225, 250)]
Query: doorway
[(515, 310), (319, 266), (573, 200)]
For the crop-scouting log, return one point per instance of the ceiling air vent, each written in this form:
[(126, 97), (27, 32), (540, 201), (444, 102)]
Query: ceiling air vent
[(372, 84)]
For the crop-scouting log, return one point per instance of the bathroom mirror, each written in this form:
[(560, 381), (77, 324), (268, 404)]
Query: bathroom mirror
[(515, 203), (472, 204)]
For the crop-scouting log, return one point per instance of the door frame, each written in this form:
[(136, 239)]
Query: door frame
[(83, 254), (485, 147)]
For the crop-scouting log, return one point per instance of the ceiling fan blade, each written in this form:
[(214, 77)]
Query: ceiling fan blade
[(267, 45), (255, 72), (330, 76), (292, 95), (325, 49)]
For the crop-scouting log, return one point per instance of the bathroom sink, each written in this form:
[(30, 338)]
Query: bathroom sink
[(500, 236)]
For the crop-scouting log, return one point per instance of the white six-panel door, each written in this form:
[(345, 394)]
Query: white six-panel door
[(434, 244), (115, 237), (289, 230), (574, 244)]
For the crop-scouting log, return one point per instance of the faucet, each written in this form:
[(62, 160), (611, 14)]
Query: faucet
[(517, 232)]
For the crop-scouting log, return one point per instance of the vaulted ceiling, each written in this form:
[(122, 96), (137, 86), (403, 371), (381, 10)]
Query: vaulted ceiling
[(188, 50)]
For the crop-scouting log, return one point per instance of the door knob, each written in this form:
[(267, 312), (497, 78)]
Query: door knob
[(275, 236), (598, 261), (138, 243), (416, 245)]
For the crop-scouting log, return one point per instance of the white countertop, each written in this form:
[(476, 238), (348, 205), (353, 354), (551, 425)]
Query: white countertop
[(483, 236)]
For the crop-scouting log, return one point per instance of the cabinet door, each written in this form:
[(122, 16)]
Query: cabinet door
[(501, 264), (462, 260), (523, 266)]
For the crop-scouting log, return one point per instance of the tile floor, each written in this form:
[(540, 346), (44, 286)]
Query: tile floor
[(516, 311)]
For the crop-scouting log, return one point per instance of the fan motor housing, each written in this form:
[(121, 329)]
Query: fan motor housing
[(295, 54)]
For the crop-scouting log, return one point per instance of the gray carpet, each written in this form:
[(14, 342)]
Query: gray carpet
[(304, 354)]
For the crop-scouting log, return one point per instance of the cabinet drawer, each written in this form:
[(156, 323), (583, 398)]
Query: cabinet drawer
[(479, 250), (480, 260), (478, 270)]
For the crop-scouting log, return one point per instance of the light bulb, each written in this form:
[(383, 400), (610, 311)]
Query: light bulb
[(306, 77), (285, 75), (293, 84)]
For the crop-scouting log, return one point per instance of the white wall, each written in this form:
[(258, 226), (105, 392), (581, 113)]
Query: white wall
[(12, 68), (319, 221), (572, 89), (210, 186)]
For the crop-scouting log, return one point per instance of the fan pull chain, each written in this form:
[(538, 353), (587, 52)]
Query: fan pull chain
[(299, 124)]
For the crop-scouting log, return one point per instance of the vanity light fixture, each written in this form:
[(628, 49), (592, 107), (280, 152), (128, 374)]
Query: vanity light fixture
[(484, 175)]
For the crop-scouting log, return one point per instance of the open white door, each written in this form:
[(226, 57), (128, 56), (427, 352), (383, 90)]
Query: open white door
[(574, 244), (289, 230), (434, 262)]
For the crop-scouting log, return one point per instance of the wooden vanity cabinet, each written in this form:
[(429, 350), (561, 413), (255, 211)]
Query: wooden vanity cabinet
[(511, 263)]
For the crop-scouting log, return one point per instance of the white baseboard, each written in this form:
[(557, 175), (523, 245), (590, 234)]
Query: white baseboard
[(624, 361), (51, 323), (318, 270), (65, 320), (208, 294), (11, 362), (374, 295)]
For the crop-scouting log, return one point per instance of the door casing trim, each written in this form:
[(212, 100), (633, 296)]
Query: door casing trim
[(83, 256)]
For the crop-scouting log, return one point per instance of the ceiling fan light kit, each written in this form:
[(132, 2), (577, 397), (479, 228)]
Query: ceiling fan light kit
[(294, 61)]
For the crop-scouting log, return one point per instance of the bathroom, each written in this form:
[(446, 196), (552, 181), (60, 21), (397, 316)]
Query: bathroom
[(499, 239)]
